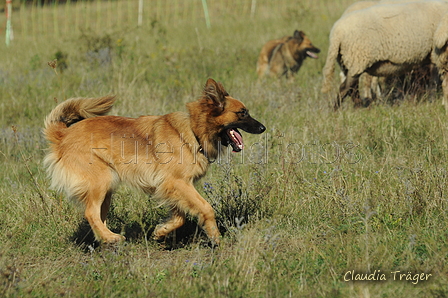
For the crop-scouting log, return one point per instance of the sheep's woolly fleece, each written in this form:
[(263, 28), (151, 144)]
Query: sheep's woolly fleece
[(400, 33)]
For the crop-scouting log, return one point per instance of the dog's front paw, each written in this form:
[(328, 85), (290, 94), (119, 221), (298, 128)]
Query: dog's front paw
[(113, 238)]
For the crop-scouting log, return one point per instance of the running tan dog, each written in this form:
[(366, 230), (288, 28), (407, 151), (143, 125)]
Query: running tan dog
[(162, 155), (284, 56)]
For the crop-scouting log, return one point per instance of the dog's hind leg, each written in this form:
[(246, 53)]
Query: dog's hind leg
[(97, 201), (105, 206), (184, 196)]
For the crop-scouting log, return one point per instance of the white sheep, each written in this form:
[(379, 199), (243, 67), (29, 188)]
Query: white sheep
[(440, 55), (370, 85), (365, 4), (368, 82), (381, 40), (358, 6)]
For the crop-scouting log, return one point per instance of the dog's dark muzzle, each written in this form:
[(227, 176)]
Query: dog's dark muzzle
[(253, 126), (259, 129), (231, 135), (311, 52)]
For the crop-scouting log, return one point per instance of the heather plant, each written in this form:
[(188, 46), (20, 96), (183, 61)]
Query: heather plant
[(236, 201)]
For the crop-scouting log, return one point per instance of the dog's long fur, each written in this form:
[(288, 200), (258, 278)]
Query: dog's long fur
[(284, 56), (91, 153)]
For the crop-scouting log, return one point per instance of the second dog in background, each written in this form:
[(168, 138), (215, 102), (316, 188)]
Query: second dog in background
[(284, 56)]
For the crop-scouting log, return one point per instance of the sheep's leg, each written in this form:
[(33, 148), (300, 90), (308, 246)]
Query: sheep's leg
[(354, 94), (375, 89), (369, 87), (434, 77), (365, 82), (348, 87), (445, 91)]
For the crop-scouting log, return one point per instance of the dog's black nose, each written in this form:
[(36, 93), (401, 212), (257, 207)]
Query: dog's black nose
[(261, 128)]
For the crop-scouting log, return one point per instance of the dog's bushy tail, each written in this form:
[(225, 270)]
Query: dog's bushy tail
[(74, 110)]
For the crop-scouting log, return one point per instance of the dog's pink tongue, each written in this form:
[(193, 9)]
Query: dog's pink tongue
[(311, 54), (237, 138)]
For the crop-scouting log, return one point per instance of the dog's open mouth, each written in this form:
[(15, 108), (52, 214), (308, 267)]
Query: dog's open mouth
[(232, 136), (311, 55)]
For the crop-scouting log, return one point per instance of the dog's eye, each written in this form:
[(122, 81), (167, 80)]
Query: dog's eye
[(243, 113)]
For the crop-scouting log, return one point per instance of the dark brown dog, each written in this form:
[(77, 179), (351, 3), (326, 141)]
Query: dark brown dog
[(162, 155), (284, 56)]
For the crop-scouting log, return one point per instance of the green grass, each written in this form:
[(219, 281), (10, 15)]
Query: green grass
[(320, 193)]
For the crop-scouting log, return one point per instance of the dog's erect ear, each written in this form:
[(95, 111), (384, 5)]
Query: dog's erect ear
[(215, 93), (299, 35)]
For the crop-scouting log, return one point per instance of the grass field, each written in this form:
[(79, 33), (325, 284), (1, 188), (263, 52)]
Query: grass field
[(321, 195)]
